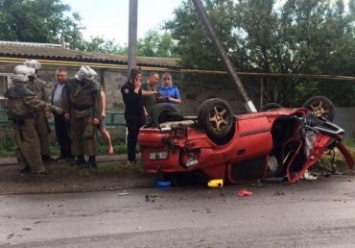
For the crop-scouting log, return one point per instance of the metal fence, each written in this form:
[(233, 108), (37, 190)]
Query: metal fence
[(345, 118)]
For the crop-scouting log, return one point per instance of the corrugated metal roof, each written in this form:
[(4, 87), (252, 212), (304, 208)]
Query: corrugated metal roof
[(46, 51)]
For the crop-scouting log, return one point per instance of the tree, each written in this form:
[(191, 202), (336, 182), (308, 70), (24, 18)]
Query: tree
[(39, 21), (194, 46), (298, 37), (323, 39), (47, 21), (156, 45), (98, 44)]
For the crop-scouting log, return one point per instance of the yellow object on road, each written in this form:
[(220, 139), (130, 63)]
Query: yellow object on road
[(215, 183)]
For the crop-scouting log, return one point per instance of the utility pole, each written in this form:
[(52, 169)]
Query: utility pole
[(202, 14), (132, 34)]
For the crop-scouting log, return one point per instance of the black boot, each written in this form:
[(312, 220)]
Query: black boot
[(92, 162), (80, 160)]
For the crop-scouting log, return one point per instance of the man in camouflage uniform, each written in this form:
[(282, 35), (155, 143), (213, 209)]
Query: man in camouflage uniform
[(83, 108), (22, 105), (38, 87)]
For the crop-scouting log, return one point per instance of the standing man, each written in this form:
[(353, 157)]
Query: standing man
[(134, 111), (60, 123), (38, 87), (169, 92), (149, 91), (22, 106), (83, 108)]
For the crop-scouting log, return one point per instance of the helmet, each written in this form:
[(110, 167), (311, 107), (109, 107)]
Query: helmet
[(21, 73), (93, 72), (31, 72), (85, 72), (32, 64)]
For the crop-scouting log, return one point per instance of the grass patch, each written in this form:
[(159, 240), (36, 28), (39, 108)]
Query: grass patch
[(7, 148), (102, 148), (335, 160), (107, 169), (350, 143)]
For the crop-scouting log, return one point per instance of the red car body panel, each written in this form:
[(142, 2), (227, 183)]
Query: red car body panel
[(247, 152)]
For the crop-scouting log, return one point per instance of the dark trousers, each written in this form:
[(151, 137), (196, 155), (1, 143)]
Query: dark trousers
[(134, 123), (62, 133)]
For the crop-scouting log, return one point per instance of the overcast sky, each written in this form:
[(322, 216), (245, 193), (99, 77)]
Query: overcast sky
[(109, 18)]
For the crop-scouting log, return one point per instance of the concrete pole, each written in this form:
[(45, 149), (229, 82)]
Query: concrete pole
[(132, 34), (202, 14)]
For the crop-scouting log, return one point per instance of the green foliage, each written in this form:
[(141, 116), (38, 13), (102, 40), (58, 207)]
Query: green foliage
[(195, 48), (47, 21), (296, 37), (38, 21), (7, 148), (350, 143), (156, 45), (119, 148), (269, 36), (98, 44)]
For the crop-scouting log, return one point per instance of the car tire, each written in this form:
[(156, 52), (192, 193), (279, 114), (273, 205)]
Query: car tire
[(163, 112), (321, 107), (215, 116), (270, 106)]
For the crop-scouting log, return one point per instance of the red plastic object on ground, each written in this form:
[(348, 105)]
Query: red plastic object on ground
[(244, 192)]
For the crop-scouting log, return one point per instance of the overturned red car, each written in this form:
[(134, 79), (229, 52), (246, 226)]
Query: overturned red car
[(216, 144)]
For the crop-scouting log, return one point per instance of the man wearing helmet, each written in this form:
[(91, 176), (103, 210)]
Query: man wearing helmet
[(83, 109), (22, 105), (38, 87)]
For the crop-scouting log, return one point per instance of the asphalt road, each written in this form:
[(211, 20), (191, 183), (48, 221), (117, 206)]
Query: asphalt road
[(307, 214)]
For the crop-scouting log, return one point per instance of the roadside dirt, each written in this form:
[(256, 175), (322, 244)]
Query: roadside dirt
[(65, 178)]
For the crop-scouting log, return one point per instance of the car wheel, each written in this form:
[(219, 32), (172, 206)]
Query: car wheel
[(216, 117), (270, 106), (163, 112), (320, 107)]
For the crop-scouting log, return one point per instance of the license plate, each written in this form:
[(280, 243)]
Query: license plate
[(158, 155)]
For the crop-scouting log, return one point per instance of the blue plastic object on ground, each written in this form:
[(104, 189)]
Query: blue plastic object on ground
[(162, 184)]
